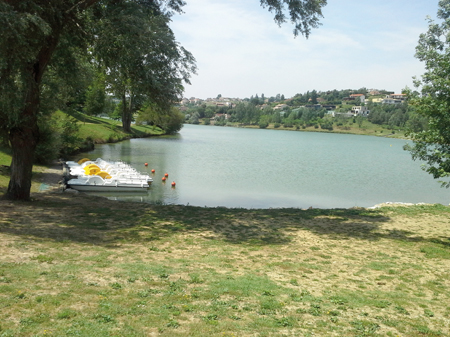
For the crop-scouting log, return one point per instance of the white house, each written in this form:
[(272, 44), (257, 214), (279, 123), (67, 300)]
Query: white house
[(359, 110)]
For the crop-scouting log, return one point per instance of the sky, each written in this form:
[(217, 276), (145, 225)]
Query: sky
[(240, 51)]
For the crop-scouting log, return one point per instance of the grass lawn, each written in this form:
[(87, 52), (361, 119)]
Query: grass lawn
[(103, 130), (74, 265)]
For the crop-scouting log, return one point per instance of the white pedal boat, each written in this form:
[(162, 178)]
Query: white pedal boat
[(98, 184)]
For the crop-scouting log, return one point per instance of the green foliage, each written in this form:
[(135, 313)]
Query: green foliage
[(193, 119), (95, 103), (170, 119), (433, 144), (70, 141), (394, 115), (326, 124), (49, 141), (59, 136), (220, 121), (263, 124), (246, 113), (142, 59)]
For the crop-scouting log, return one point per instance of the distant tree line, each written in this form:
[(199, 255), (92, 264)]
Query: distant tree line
[(397, 115), (304, 111)]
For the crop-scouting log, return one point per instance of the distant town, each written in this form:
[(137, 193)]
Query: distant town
[(329, 100), (313, 108)]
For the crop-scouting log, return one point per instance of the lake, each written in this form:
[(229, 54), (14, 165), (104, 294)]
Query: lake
[(255, 168)]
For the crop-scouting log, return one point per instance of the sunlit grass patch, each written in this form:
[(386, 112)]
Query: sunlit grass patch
[(436, 251)]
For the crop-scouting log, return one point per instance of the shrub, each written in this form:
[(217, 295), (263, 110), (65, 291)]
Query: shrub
[(326, 125)]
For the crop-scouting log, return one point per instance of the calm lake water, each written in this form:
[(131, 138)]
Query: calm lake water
[(253, 168)]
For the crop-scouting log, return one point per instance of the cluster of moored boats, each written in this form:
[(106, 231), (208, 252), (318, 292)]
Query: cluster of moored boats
[(103, 175)]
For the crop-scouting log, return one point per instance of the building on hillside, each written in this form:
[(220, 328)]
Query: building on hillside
[(377, 100), (280, 107), (398, 96), (343, 114), (226, 104), (329, 106), (218, 115), (391, 101), (361, 97), (313, 106), (359, 110), (194, 100)]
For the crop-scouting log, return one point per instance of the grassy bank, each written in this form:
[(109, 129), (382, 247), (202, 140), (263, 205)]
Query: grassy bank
[(366, 128), (73, 265), (103, 130)]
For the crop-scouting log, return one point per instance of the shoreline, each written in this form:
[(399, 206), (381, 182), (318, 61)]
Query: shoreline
[(312, 129), (52, 181)]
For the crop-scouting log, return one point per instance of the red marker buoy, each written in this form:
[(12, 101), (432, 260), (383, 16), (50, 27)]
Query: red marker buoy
[(164, 179), (166, 175), (153, 170), (173, 184), (146, 164)]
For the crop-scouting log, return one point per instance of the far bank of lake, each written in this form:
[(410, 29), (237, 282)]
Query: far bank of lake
[(254, 168), (362, 127)]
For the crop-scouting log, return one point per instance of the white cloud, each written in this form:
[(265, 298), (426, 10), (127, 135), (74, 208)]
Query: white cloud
[(240, 51)]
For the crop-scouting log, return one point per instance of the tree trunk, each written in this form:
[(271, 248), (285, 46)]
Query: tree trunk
[(126, 115), (25, 135), (23, 139)]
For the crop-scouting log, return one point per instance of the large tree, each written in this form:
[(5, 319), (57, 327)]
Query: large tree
[(142, 59), (36, 35), (432, 145)]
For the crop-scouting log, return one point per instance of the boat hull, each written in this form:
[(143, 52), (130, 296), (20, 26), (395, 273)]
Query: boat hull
[(105, 188)]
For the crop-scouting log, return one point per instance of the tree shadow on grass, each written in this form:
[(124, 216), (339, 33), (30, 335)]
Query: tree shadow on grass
[(87, 219)]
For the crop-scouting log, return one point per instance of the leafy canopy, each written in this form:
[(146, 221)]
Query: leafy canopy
[(433, 101)]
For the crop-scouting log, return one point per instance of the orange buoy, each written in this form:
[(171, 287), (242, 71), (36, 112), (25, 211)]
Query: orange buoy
[(153, 170), (166, 175), (164, 179), (146, 164), (173, 184)]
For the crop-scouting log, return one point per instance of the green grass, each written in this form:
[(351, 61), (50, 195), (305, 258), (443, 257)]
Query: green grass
[(103, 130), (191, 271)]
